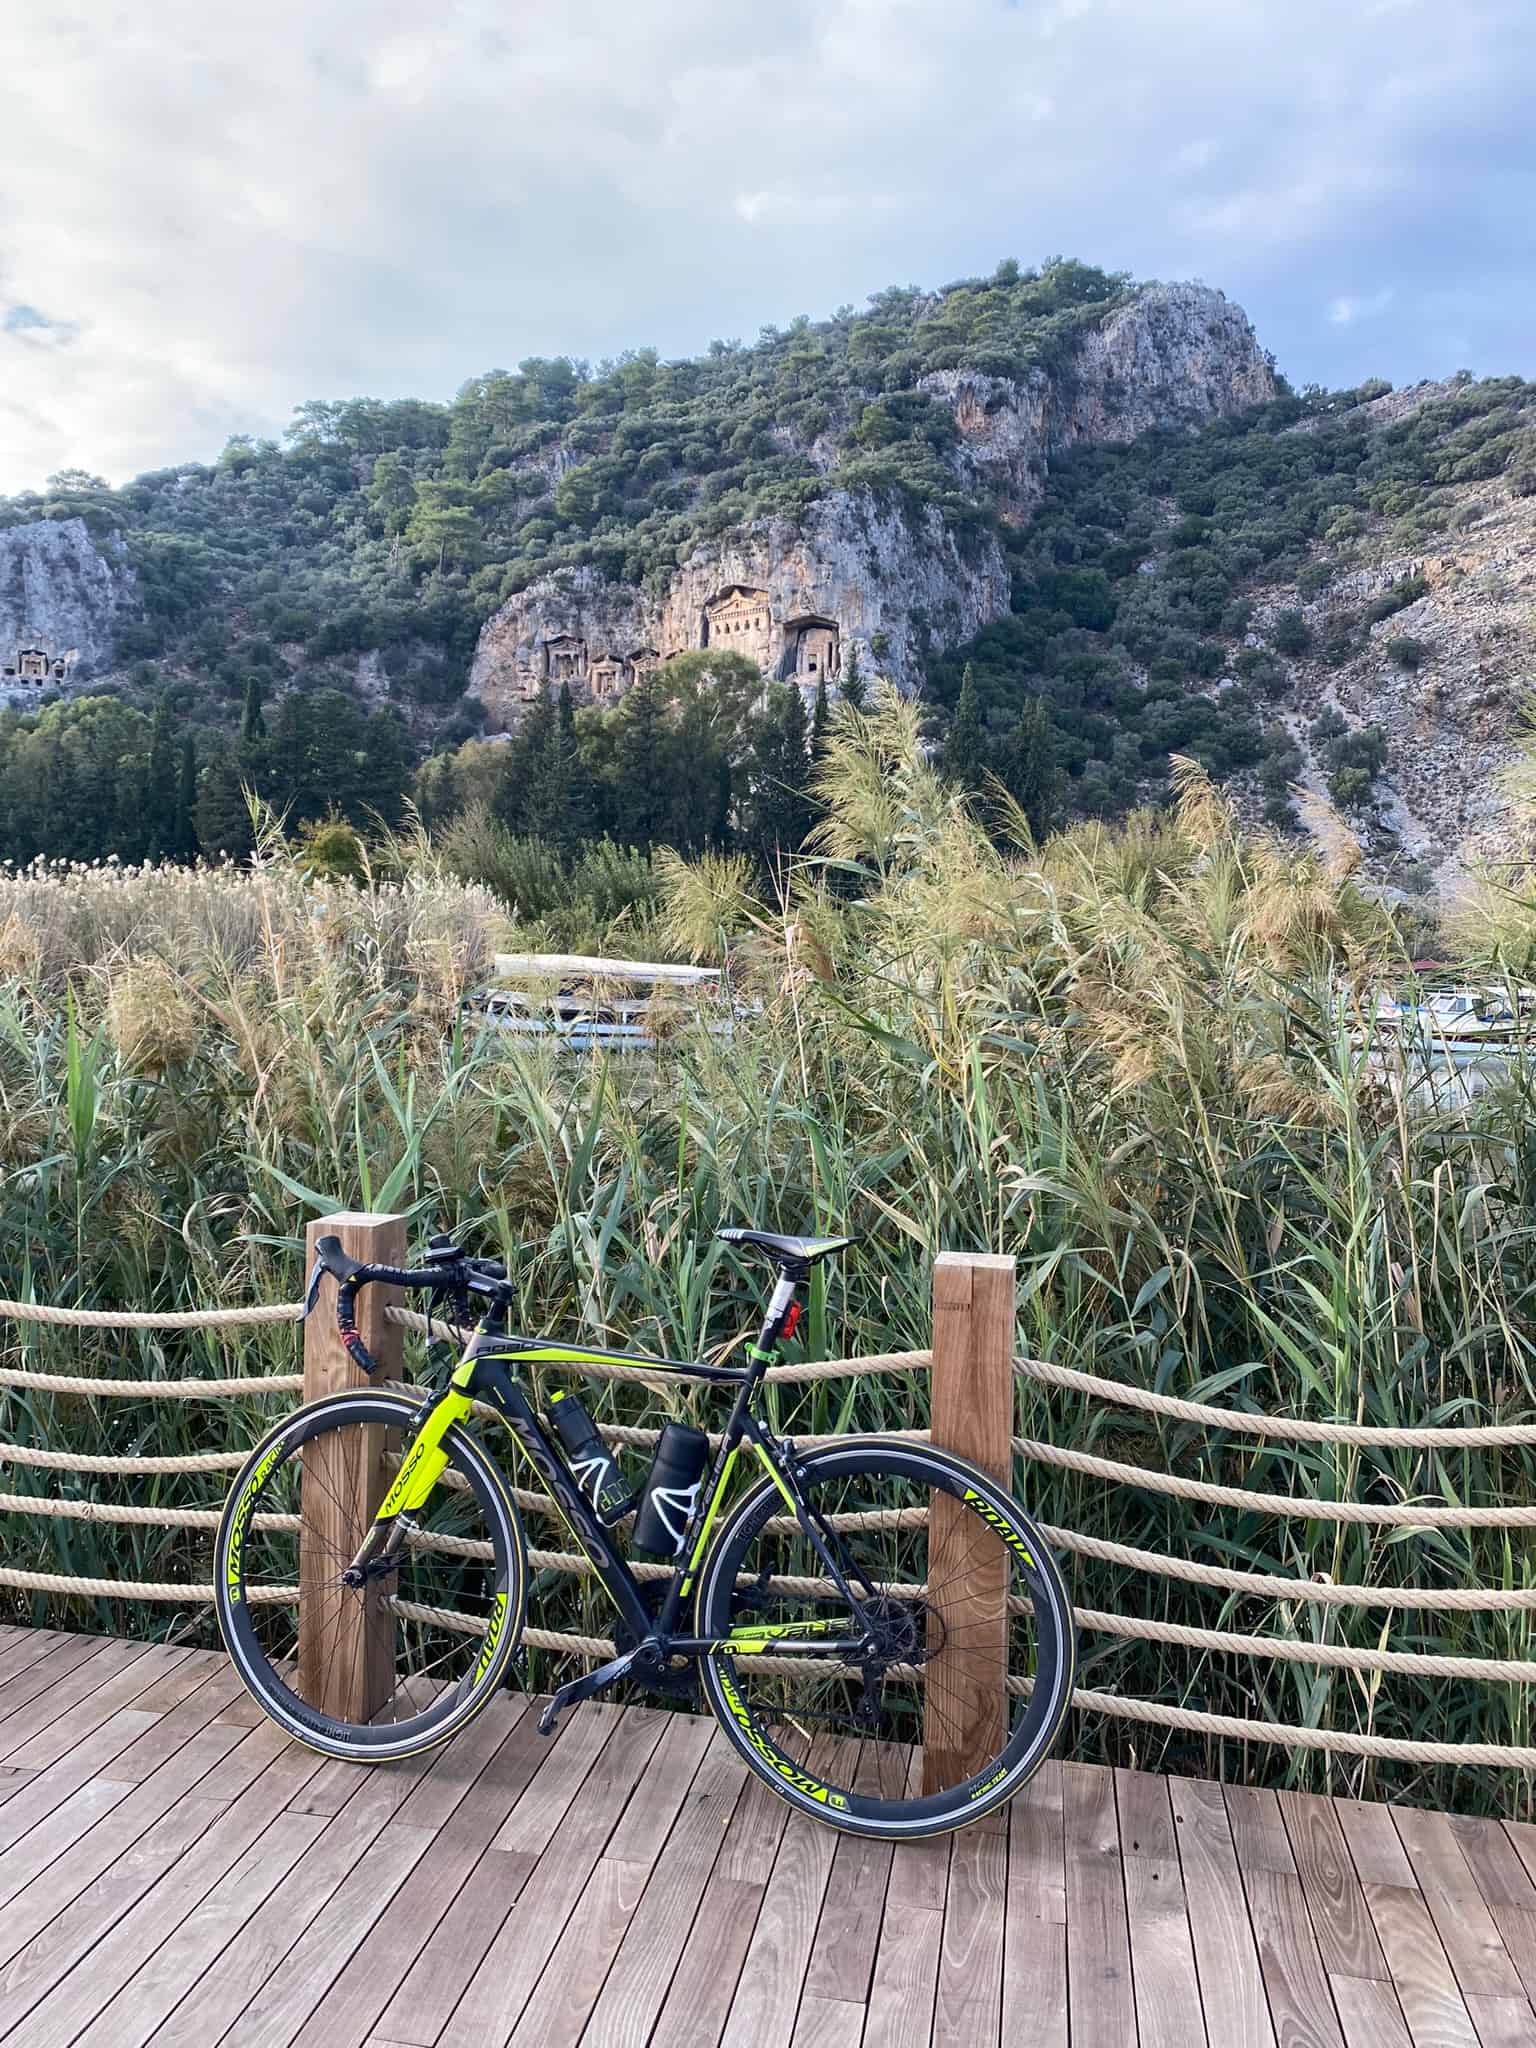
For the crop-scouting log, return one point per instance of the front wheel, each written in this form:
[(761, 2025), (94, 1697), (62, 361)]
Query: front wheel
[(966, 1674), (396, 1665)]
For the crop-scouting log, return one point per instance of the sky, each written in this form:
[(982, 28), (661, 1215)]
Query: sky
[(211, 213)]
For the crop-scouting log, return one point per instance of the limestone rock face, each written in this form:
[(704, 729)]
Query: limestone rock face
[(62, 595), (796, 597), (1176, 355), (793, 599)]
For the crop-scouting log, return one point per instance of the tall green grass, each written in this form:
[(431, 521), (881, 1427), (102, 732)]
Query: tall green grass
[(1135, 1058)]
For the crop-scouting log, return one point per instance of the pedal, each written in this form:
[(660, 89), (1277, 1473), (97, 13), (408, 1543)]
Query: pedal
[(575, 1690)]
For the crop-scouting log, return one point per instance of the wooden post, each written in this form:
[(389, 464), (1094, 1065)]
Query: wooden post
[(346, 1639), (965, 1718)]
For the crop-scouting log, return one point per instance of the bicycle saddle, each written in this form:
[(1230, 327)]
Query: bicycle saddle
[(792, 1251)]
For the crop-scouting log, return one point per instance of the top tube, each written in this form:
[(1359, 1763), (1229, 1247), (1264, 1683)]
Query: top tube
[(515, 1349)]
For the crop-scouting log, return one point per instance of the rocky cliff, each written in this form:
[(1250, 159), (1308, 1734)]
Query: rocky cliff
[(63, 596), (857, 572)]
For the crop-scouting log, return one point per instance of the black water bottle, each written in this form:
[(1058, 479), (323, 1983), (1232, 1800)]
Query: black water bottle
[(592, 1463), (671, 1491)]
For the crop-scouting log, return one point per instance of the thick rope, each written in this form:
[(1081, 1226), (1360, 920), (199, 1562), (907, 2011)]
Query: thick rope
[(1275, 1503), (1270, 1586), (153, 1390), (79, 1461), (1287, 1650), (1292, 1428), (139, 1319)]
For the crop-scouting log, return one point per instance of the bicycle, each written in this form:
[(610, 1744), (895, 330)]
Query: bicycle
[(825, 1650)]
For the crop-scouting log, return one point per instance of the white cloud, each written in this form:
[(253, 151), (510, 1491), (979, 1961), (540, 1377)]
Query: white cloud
[(238, 208), (1348, 308)]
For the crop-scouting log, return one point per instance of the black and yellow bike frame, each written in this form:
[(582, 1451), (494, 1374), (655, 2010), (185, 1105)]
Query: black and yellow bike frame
[(488, 1373)]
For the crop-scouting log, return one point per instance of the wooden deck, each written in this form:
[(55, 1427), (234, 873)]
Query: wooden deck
[(173, 1871)]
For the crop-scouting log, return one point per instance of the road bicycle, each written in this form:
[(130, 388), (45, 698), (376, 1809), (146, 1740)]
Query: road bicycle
[(879, 1629)]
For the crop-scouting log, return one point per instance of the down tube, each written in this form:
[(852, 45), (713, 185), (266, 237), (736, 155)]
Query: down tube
[(492, 1382)]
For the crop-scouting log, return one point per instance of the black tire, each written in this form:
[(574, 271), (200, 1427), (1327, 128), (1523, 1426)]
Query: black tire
[(442, 1676), (797, 1723)]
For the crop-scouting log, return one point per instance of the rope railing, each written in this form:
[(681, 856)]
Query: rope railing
[(1282, 1592)]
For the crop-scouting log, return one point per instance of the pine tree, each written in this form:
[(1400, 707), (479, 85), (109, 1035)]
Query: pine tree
[(965, 749), (158, 821), (1028, 769), (253, 721), (855, 691), (821, 719)]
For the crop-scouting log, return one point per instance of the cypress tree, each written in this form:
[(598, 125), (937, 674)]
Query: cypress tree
[(1028, 769), (782, 810), (159, 815), (253, 720), (965, 754), (183, 844), (855, 691)]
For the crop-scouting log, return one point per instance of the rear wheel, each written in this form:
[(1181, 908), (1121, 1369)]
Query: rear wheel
[(401, 1663), (955, 1592)]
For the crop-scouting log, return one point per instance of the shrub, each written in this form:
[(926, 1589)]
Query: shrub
[(1407, 652), (1290, 633)]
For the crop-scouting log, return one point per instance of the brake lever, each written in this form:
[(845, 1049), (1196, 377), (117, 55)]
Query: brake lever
[(312, 1292)]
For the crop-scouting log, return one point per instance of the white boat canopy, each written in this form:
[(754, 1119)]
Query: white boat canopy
[(560, 966)]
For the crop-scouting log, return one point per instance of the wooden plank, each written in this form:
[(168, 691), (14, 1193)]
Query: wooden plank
[(530, 1826), (1165, 1985), (965, 1698), (848, 1933), (1369, 2013), (829, 2023), (1462, 1920), (346, 1638), (143, 1669), (969, 2005), (1334, 1898), (26, 1646), (288, 1997), (685, 1740), (1300, 2001), (1375, 1847), (757, 1827), (1258, 1829), (708, 1972), (1236, 2010), (557, 2012), (578, 1971), (768, 1991), (220, 1993), (128, 1836), (1035, 1924), (64, 1801), (1502, 2022), (1103, 2013), (203, 1931), (1421, 1971), (1501, 1878), (31, 1726), (174, 1894), (901, 1999), (353, 2004), (919, 1878), (671, 1910), (488, 2007), (1517, 1931), (41, 1674)]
